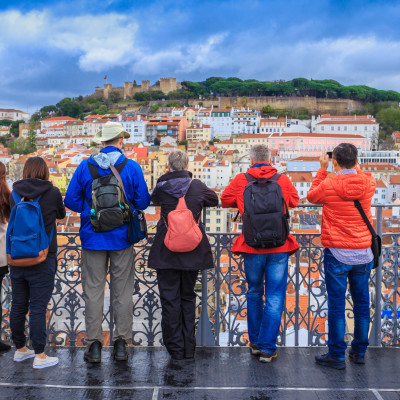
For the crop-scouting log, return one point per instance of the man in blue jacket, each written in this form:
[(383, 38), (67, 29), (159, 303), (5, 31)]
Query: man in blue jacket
[(103, 251)]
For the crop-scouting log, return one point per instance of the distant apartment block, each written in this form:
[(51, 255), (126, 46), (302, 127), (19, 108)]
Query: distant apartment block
[(364, 125), (14, 115)]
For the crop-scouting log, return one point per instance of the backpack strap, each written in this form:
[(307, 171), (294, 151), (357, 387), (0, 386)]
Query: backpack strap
[(250, 178), (118, 176), (94, 172), (121, 166)]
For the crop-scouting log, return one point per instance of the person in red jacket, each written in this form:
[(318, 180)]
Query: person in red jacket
[(264, 268), (347, 254)]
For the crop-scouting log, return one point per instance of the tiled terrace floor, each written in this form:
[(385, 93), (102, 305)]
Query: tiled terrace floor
[(216, 373)]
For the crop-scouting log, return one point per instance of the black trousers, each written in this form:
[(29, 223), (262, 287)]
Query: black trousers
[(178, 303)]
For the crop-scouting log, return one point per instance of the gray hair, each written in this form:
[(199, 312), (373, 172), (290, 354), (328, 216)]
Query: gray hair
[(178, 160), (260, 152)]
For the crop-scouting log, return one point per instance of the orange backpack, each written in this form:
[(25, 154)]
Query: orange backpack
[(183, 233)]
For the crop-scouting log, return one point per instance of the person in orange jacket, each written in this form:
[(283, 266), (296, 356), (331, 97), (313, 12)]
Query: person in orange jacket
[(265, 268), (347, 254)]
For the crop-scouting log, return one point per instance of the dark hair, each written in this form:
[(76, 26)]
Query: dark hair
[(345, 154), (5, 193), (36, 167)]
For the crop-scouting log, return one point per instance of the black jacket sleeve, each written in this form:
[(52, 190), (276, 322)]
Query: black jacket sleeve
[(60, 206), (209, 196)]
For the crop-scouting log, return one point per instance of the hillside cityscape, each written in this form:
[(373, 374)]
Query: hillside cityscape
[(216, 122)]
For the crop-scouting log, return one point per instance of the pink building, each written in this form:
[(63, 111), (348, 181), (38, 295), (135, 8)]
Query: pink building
[(292, 145)]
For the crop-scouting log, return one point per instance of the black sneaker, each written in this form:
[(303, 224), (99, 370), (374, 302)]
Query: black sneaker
[(328, 361), (93, 353), (120, 351), (356, 358), (254, 350), (4, 346), (267, 357)]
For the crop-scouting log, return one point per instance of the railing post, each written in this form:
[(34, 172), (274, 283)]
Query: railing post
[(375, 335), (297, 304), (204, 336)]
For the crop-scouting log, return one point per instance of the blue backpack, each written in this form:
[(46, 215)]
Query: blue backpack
[(27, 240)]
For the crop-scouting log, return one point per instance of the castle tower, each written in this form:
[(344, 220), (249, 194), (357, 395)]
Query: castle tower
[(107, 90), (145, 86), (168, 85), (128, 90)]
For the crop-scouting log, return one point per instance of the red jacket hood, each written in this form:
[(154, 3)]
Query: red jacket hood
[(262, 172), (352, 187)]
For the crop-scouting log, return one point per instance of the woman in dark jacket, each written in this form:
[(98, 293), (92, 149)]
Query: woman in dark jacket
[(177, 272), (33, 286)]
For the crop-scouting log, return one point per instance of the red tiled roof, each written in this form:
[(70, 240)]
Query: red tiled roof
[(59, 119), (380, 183), (395, 179), (300, 176), (224, 142), (266, 120), (253, 136)]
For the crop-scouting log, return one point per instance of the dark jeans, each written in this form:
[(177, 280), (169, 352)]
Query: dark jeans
[(31, 291), (336, 275), (269, 272), (178, 302), (3, 272)]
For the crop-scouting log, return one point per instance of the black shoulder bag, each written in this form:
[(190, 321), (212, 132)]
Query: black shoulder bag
[(376, 245)]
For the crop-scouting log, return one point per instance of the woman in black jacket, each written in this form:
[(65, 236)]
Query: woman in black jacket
[(177, 272), (33, 286)]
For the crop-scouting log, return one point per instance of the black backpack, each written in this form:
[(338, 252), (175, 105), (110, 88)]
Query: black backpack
[(266, 215), (110, 208)]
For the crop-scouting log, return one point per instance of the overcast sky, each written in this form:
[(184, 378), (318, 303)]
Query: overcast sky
[(55, 49)]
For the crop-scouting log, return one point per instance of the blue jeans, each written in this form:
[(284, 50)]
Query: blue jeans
[(336, 274), (269, 270), (32, 288)]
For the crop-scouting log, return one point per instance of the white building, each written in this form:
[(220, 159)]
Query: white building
[(217, 173), (364, 125), (44, 124), (14, 115), (390, 156), (136, 126), (381, 192)]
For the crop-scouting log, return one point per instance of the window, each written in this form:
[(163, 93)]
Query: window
[(218, 212), (218, 220), (218, 229)]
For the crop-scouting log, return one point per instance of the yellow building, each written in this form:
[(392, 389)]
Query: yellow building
[(216, 220), (60, 181), (198, 132), (196, 166), (159, 162), (191, 115)]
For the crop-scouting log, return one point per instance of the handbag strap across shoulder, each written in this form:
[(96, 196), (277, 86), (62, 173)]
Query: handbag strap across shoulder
[(364, 217)]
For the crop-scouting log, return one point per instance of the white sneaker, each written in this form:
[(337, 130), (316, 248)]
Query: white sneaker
[(23, 355), (45, 362)]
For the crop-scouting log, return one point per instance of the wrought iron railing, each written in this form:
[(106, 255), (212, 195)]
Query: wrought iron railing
[(223, 289)]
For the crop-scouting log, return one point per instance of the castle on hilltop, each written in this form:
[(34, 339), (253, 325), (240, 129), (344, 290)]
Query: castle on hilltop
[(129, 89)]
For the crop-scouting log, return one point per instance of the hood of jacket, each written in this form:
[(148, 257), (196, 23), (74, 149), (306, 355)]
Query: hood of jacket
[(32, 187), (262, 171), (107, 156), (175, 183), (353, 186)]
